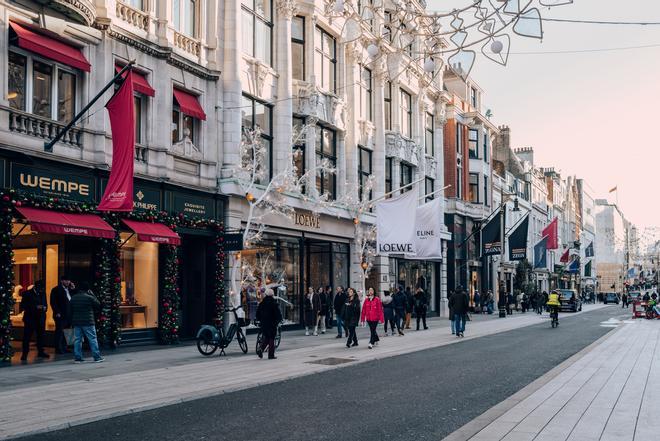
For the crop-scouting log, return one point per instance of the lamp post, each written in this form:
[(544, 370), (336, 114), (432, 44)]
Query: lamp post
[(504, 197)]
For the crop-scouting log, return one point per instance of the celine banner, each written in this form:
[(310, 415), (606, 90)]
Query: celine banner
[(552, 234), (118, 195), (491, 237), (540, 253), (518, 241), (428, 225), (395, 220)]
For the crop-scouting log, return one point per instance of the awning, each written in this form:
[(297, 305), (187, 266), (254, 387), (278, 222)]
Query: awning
[(189, 104), (48, 221), (153, 232), (50, 48), (140, 83)]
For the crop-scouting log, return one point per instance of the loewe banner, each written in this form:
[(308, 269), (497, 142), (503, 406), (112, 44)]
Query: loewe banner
[(428, 225), (395, 220)]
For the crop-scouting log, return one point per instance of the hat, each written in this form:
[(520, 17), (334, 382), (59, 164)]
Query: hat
[(270, 292)]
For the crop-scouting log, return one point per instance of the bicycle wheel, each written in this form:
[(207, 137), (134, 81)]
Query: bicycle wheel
[(260, 337), (278, 337), (205, 343), (242, 341)]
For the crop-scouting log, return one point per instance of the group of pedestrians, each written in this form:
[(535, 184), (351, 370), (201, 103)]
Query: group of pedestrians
[(74, 310), (318, 308), (459, 303)]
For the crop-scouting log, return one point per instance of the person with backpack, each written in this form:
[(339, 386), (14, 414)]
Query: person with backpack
[(421, 306)]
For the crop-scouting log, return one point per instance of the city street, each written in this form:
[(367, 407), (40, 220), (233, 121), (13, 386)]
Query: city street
[(426, 394)]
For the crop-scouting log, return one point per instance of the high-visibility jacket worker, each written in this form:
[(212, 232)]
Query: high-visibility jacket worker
[(553, 300)]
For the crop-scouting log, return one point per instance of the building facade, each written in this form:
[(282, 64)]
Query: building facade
[(611, 249)]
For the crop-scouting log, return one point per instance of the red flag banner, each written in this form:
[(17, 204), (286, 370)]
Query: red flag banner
[(551, 232), (565, 257), (118, 195)]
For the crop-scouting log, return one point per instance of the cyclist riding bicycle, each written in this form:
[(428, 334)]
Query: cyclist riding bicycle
[(554, 302)]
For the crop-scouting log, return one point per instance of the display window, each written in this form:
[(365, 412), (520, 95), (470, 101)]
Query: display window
[(139, 282), (414, 274)]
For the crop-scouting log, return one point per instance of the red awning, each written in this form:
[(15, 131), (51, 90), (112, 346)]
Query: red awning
[(50, 48), (153, 232), (140, 83), (189, 104), (48, 221)]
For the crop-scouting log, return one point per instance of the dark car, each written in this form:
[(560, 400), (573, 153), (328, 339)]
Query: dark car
[(570, 301), (610, 297)]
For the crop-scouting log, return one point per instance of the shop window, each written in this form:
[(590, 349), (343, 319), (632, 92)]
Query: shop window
[(429, 188), (326, 151), (388, 105), (364, 172), (139, 283), (406, 177), (298, 47), (325, 60), (257, 18), (366, 94), (474, 188), (184, 16), (256, 114), (473, 143), (429, 142), (388, 177), (406, 114), (50, 86)]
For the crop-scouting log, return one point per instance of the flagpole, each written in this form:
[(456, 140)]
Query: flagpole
[(380, 198), (434, 192), (48, 145)]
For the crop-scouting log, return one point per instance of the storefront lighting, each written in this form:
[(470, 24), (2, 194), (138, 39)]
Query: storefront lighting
[(356, 220), (364, 265), (249, 197), (12, 95)]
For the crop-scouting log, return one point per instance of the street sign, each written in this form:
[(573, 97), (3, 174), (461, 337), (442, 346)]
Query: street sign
[(233, 242)]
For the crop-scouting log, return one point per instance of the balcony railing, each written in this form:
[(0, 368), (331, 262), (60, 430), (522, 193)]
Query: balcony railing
[(44, 128), (141, 154), (187, 44), (135, 17)]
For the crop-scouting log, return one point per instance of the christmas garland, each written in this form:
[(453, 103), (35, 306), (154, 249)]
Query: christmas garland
[(107, 287), (6, 277)]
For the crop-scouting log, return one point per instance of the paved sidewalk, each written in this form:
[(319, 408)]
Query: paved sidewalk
[(64, 394), (609, 394)]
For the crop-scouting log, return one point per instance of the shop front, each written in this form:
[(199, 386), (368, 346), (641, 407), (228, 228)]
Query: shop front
[(415, 274)]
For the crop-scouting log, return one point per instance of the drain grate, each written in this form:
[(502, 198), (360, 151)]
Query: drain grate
[(331, 361)]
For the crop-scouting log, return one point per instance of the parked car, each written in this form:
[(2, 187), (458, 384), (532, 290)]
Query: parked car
[(610, 297), (570, 301)]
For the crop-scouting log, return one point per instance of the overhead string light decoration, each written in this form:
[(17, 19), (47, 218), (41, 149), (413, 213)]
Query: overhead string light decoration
[(389, 28)]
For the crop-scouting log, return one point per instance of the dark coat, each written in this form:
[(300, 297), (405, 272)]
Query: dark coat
[(269, 316), (340, 299), (459, 303), (323, 302), (84, 308), (410, 301), (421, 301), (399, 301), (388, 309), (60, 304), (29, 302), (311, 309), (351, 313)]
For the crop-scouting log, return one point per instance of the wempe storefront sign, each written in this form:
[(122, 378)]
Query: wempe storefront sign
[(52, 184)]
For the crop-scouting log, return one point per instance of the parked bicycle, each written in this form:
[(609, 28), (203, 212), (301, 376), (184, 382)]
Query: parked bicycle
[(210, 337), (260, 337)]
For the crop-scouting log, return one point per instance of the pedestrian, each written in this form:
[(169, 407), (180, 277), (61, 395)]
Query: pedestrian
[(399, 301), (311, 309), (34, 306), (60, 296), (421, 306), (624, 300), (323, 308), (490, 302), (519, 299), (511, 303), (525, 302), (410, 304), (372, 313), (84, 307), (459, 302), (352, 316), (269, 316), (388, 311), (329, 307), (451, 313), (339, 300), (477, 302)]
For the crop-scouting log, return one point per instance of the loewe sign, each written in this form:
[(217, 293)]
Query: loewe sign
[(307, 220), (48, 183)]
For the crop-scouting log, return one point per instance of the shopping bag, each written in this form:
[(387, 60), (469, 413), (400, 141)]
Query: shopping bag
[(68, 335)]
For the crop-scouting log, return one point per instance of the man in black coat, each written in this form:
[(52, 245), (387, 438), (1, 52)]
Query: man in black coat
[(459, 304), (269, 316), (399, 302), (60, 297), (34, 307), (339, 301), (330, 306)]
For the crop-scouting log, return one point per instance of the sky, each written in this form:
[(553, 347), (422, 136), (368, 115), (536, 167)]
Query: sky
[(595, 115)]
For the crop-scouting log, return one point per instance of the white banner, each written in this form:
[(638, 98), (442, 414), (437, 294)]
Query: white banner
[(428, 226), (395, 220)]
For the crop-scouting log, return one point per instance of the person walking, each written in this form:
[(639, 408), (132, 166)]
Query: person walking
[(477, 302), (421, 306), (311, 309), (84, 307), (451, 313), (323, 308), (339, 300), (399, 301), (624, 300), (34, 306), (269, 316), (490, 302), (352, 316), (329, 307), (372, 313), (60, 296), (388, 311), (410, 305), (511, 303), (459, 302)]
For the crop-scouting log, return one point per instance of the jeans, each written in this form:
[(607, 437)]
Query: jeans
[(399, 316), (489, 307), (374, 335), (90, 335), (60, 341), (340, 325), (453, 324), (459, 320)]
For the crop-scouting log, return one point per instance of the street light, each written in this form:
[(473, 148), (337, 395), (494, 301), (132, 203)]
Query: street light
[(504, 198)]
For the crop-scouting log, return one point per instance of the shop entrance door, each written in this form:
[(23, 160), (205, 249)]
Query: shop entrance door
[(196, 272)]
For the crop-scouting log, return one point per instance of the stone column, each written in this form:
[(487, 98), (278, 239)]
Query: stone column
[(379, 153), (232, 88)]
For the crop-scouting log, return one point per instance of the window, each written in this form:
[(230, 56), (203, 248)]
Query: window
[(184, 16), (486, 198), (406, 177), (364, 172), (366, 94), (366, 9), (387, 26), (473, 97), (299, 147), (428, 139), (325, 60), (486, 149), (406, 40), (429, 188), (388, 105), (257, 18), (182, 125), (258, 115), (135, 4), (326, 150), (388, 177), (298, 48), (459, 182), (473, 143), (473, 195), (139, 282), (51, 87), (406, 114), (459, 138)]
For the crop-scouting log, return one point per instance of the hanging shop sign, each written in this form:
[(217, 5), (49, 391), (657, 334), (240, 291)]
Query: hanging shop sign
[(232, 242), (428, 230), (144, 197), (491, 237), (51, 183), (191, 205), (518, 241), (395, 232), (307, 219)]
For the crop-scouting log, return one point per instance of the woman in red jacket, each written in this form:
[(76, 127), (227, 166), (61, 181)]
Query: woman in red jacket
[(372, 313)]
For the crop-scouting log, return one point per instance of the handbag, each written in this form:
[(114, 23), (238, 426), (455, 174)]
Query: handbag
[(68, 336)]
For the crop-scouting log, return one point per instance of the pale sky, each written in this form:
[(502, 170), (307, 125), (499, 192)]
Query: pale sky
[(596, 115)]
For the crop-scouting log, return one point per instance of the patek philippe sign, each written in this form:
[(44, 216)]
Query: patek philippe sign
[(50, 183), (396, 224), (144, 198), (191, 205), (307, 219)]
